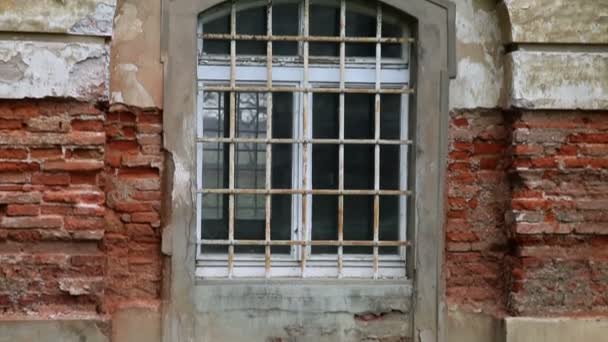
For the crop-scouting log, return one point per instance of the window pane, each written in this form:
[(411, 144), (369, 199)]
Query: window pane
[(390, 128), (360, 25), (392, 29), (251, 21), (285, 22), (214, 123), (325, 21), (359, 116), (389, 222), (359, 167), (358, 222), (251, 115), (324, 222), (215, 166), (218, 25), (250, 162), (325, 116), (215, 221)]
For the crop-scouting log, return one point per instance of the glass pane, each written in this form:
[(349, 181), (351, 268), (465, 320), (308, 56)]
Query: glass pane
[(215, 221), (285, 22), (251, 21), (215, 166), (361, 25), (392, 29), (358, 222), (250, 170), (390, 128), (250, 222), (359, 167), (359, 116), (217, 25), (325, 116), (325, 21), (282, 115), (389, 222), (214, 123), (324, 222), (251, 115)]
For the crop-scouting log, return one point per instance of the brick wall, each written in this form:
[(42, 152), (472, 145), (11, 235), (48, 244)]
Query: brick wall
[(478, 197), (79, 207), (560, 214), (527, 221)]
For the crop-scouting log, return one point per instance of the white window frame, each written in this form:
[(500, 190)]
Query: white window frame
[(391, 74)]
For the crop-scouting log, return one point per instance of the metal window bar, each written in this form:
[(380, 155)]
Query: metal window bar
[(312, 39), (269, 109), (305, 105), (231, 199), (304, 241), (341, 136)]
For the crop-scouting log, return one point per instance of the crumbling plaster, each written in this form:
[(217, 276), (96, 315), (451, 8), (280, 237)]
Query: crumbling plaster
[(82, 17), (51, 67)]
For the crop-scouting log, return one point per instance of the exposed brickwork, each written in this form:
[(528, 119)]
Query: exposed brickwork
[(61, 184), (478, 195), (560, 214)]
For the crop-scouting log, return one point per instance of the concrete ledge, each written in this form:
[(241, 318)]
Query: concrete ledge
[(473, 327), (556, 330), (557, 80), (136, 325), (51, 330), (550, 21)]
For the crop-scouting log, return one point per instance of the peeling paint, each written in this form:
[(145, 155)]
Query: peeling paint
[(82, 17), (77, 70)]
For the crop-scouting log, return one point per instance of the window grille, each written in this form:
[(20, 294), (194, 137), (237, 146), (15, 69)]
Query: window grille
[(302, 143)]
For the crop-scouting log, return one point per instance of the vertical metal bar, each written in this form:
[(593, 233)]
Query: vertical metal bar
[(377, 137), (305, 104), (341, 138), (269, 136), (231, 204)]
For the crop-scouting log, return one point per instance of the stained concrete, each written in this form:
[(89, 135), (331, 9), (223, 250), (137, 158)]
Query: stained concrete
[(557, 80), (82, 17), (464, 326), (54, 331), (527, 329), (136, 325), (556, 21), (59, 68)]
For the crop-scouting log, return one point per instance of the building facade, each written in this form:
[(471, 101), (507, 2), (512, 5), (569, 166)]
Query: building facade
[(314, 170)]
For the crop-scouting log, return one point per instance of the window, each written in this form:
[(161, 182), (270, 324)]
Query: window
[(303, 140)]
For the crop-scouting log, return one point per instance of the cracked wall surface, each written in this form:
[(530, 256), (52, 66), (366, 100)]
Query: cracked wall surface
[(38, 69)]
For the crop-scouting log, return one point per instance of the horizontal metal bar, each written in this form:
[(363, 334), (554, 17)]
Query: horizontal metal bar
[(253, 89), (305, 141), (321, 192), (303, 243), (324, 39)]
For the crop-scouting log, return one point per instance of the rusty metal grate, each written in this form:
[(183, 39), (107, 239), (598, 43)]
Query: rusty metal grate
[(304, 190)]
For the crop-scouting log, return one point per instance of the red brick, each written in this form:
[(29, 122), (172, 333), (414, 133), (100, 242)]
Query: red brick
[(13, 154), (590, 138), (131, 207), (528, 150), (461, 122), (530, 204), (87, 125), (75, 196), (31, 222), (73, 165), (147, 217), (150, 119), (10, 124), (18, 167), (123, 145), (19, 197), (82, 223), (488, 148), (51, 178), (22, 210), (46, 153)]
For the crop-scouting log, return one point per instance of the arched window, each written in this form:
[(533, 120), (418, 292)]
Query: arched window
[(303, 141)]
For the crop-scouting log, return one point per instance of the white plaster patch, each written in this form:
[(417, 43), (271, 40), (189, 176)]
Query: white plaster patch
[(554, 80), (474, 25), (59, 69), (136, 93), (477, 85)]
